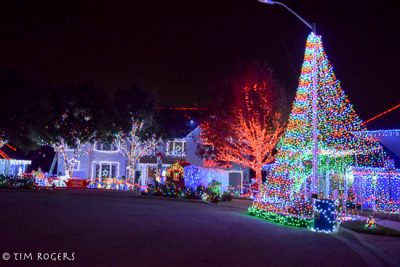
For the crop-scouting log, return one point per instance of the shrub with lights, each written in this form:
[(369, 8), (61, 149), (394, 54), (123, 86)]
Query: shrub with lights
[(210, 193), (17, 182), (111, 184), (3, 181)]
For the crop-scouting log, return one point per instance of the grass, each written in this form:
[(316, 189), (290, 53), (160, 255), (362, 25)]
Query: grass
[(380, 215), (359, 226)]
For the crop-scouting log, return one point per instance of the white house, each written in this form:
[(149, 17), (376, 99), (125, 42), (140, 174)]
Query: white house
[(105, 160)]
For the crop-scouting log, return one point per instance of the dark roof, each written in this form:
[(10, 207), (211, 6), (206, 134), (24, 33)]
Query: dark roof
[(178, 123)]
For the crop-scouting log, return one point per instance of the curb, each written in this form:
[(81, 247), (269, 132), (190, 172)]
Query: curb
[(83, 191), (372, 255), (233, 207), (218, 205), (174, 199)]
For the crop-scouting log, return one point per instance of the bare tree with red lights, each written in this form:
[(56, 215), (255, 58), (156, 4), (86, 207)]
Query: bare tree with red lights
[(247, 136)]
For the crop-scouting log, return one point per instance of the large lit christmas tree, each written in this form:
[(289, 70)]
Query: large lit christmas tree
[(288, 186)]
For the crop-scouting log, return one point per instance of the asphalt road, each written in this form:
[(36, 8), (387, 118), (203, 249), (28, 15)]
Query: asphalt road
[(112, 229)]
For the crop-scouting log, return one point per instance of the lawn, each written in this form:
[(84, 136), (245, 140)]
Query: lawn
[(359, 226)]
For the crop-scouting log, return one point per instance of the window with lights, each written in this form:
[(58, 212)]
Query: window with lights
[(176, 148), (107, 147), (105, 169)]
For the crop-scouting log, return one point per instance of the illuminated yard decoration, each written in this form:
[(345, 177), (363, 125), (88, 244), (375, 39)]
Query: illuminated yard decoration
[(287, 190), (175, 172), (135, 147), (371, 224), (111, 184), (324, 215)]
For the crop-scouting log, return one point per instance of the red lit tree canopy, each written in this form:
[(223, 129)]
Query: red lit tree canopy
[(249, 134)]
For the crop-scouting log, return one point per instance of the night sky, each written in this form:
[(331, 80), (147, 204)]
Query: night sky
[(179, 48)]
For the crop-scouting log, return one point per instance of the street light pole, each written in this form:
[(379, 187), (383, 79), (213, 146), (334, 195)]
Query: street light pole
[(312, 26), (314, 178)]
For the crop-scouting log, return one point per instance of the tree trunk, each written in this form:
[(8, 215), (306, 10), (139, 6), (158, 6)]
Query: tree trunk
[(71, 173), (132, 173), (67, 169), (134, 176), (258, 176)]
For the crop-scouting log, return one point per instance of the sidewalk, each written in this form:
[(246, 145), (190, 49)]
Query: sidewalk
[(375, 250)]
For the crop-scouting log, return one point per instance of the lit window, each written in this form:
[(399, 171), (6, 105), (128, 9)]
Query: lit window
[(176, 148), (102, 146), (77, 164), (105, 170)]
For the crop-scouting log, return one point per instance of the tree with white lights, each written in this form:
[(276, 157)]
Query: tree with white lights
[(69, 159), (135, 144)]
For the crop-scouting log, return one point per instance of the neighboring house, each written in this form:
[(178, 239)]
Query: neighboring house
[(379, 188), (108, 161), (12, 167), (10, 164), (390, 139)]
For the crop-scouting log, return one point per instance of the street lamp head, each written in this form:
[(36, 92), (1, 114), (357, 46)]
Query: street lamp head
[(269, 2)]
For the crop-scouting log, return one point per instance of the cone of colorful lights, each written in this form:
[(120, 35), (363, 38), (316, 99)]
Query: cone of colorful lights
[(286, 196)]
